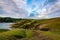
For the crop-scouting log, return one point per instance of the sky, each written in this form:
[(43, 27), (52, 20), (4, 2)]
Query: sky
[(36, 9)]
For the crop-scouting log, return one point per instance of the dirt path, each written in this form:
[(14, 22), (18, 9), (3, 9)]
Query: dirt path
[(41, 26)]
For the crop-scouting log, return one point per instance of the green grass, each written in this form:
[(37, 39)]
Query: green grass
[(26, 30), (50, 35), (4, 30), (12, 35), (52, 24), (54, 27), (16, 34), (29, 33)]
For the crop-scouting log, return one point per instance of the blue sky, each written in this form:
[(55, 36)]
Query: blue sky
[(35, 9)]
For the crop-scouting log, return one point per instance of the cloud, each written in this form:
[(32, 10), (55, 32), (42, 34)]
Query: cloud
[(53, 9), (22, 7), (8, 7), (29, 8), (49, 10), (20, 3), (12, 8)]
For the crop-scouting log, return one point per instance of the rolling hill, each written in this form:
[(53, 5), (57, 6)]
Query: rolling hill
[(31, 29), (45, 29)]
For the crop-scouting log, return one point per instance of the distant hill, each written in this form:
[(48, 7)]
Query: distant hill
[(8, 19)]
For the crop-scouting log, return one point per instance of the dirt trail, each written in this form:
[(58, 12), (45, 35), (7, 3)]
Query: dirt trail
[(40, 26), (38, 36)]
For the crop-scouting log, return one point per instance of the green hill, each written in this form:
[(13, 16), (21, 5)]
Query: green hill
[(31, 23), (52, 24), (31, 29), (49, 29)]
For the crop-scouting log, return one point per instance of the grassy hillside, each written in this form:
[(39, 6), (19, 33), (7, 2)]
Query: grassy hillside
[(49, 28), (16, 34), (30, 29), (52, 24), (3, 30), (31, 23)]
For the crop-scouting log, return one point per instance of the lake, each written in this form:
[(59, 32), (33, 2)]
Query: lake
[(5, 25)]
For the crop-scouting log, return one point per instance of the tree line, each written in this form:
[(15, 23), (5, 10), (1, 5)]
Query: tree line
[(8, 19)]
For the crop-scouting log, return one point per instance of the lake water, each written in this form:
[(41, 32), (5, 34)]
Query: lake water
[(5, 25)]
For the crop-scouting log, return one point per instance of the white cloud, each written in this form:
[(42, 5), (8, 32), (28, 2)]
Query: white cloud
[(20, 3), (16, 8), (51, 9)]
